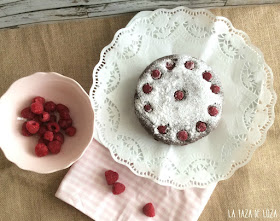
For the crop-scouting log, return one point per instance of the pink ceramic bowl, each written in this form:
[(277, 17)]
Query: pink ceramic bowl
[(54, 87)]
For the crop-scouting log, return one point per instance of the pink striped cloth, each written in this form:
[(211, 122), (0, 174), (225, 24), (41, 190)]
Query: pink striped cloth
[(85, 188)]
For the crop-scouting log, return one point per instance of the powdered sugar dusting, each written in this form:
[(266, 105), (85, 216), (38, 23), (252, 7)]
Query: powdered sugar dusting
[(178, 114)]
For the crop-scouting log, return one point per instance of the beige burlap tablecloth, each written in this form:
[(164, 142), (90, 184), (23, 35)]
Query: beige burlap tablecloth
[(72, 48)]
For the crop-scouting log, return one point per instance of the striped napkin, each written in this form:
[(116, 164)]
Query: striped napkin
[(85, 188)]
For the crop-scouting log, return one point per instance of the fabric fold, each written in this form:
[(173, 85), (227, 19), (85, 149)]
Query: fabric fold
[(85, 188)]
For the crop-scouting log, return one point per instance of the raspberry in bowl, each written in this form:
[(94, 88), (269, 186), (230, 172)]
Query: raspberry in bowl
[(46, 122)]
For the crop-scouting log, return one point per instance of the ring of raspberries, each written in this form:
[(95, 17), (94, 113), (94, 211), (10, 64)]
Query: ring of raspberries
[(42, 121), (178, 99)]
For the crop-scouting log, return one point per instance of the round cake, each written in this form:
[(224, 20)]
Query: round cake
[(179, 99)]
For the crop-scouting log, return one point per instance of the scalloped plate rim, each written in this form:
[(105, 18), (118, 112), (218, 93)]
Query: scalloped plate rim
[(248, 42)]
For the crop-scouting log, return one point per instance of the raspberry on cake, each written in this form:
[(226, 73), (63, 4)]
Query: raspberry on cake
[(207, 76), (201, 126), (170, 65), (179, 95), (162, 129), (148, 108), (178, 99), (182, 135), (189, 65), (156, 74), (215, 89), (213, 111), (147, 88)]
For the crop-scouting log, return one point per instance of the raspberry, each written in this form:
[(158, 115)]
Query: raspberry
[(44, 117), (179, 95), (64, 115), (61, 107), (24, 131), (59, 137), (37, 119), (148, 108), (50, 106), (38, 99), (118, 188), (48, 135), (201, 126), (54, 146), (189, 65), (215, 89), (147, 88), (65, 123), (41, 150), (213, 111), (170, 66), (53, 127), (39, 114), (156, 74), (27, 113), (50, 138), (182, 135), (207, 76), (52, 118), (42, 140), (42, 130), (32, 126), (70, 131), (37, 108), (162, 129), (111, 177), (149, 210)]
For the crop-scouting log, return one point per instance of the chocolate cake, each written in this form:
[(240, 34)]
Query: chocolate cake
[(179, 99)]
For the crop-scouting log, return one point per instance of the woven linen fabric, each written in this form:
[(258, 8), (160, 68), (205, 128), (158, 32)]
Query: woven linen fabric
[(72, 48)]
